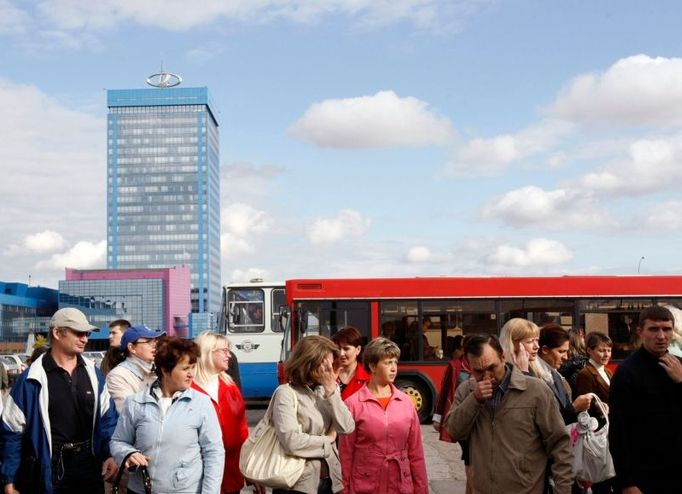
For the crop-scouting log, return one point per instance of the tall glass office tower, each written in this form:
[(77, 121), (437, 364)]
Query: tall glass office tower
[(163, 187)]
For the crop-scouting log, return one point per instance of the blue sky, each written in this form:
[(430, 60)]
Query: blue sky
[(363, 137)]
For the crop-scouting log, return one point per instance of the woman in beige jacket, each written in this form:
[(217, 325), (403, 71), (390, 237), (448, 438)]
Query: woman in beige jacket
[(308, 423)]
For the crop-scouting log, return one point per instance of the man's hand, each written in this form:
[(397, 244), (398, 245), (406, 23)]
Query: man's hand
[(484, 390), (632, 490), (672, 366), (9, 489), (109, 469)]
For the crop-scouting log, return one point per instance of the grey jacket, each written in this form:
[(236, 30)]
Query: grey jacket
[(315, 414), (510, 449)]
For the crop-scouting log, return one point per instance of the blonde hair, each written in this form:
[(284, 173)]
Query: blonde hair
[(307, 356), (515, 330), (207, 342)]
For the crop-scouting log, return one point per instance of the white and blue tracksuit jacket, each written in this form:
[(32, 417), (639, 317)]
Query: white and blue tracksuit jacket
[(25, 426)]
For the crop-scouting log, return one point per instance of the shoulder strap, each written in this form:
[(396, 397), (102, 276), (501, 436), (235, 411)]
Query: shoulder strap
[(268, 412)]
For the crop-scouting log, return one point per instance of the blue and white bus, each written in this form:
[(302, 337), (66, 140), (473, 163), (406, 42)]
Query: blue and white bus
[(250, 318)]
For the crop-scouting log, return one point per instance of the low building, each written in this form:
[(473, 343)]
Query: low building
[(158, 298), (24, 310)]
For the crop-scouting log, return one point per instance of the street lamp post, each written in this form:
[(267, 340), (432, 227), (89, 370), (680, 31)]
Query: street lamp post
[(639, 264)]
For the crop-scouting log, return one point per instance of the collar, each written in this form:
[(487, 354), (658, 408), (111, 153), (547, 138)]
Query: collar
[(599, 367), (137, 366), (516, 379), (50, 365), (504, 384), (156, 393)]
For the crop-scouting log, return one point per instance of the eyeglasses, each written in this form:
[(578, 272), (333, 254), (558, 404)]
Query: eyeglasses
[(224, 351), (143, 342)]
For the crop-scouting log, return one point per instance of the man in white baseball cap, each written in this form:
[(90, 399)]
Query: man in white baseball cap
[(66, 429)]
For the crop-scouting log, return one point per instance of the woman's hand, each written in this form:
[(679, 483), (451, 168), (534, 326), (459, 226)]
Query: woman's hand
[(257, 488), (582, 402), (521, 358), (436, 425), (137, 460), (331, 434), (326, 375)]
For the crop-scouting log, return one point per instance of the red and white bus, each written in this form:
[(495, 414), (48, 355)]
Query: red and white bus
[(421, 313)]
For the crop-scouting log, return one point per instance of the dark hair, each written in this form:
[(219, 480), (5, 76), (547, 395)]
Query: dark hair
[(120, 322), (307, 356), (596, 338), (377, 350), (37, 352), (348, 336), (473, 344), (112, 358), (553, 336), (655, 313), (453, 343), (172, 349)]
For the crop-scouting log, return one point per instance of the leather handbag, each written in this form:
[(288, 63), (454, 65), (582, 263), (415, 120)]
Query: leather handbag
[(263, 460), (146, 480)]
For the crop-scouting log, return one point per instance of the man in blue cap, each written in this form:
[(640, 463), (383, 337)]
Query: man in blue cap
[(138, 344)]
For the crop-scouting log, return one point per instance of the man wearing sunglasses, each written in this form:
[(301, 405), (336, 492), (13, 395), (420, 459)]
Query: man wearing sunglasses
[(59, 418)]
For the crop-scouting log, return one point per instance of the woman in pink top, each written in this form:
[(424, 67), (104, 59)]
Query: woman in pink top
[(385, 454)]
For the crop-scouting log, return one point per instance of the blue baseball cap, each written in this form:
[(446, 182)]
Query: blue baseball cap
[(134, 333)]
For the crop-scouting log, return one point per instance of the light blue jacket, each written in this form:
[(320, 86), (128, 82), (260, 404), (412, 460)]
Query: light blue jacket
[(185, 446)]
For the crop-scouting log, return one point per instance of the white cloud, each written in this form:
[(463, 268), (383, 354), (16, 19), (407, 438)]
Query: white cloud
[(242, 275), (555, 209), (420, 254), (45, 241), (381, 120), (638, 90), (538, 252), (12, 19), (54, 163), (649, 166), (83, 255), (483, 156), (665, 217), (180, 15), (243, 220), (347, 224)]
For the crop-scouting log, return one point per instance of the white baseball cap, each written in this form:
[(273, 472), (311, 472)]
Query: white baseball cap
[(71, 318)]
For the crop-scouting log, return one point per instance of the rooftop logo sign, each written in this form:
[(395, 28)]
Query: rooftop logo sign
[(164, 79)]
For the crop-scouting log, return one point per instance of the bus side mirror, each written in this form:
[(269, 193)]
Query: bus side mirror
[(283, 318)]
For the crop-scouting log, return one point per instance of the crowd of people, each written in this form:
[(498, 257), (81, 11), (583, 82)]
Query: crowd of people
[(165, 412)]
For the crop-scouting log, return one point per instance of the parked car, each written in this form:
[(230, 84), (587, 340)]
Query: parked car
[(12, 363), (95, 357)]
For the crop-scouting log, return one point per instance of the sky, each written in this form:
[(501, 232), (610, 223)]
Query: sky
[(363, 138)]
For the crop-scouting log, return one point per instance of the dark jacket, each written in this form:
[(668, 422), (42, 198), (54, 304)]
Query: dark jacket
[(26, 417), (590, 381), (646, 421)]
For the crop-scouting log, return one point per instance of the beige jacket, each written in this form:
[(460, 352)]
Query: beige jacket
[(510, 451), (315, 414), (126, 379)]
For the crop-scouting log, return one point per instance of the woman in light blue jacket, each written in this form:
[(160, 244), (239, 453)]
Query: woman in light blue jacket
[(171, 429)]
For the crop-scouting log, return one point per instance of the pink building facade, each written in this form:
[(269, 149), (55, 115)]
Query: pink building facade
[(158, 298)]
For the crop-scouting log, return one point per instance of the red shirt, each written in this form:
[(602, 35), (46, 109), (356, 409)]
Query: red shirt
[(356, 382), (231, 412)]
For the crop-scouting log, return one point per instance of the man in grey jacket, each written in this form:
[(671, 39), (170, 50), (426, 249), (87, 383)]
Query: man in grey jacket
[(512, 423)]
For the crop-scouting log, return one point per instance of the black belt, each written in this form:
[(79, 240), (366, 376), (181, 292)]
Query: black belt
[(73, 447)]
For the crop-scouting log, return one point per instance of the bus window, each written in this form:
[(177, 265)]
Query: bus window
[(327, 317), (540, 311), (615, 317), (245, 310), (278, 302)]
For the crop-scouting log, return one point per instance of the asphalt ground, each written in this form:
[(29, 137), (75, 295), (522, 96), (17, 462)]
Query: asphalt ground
[(443, 465)]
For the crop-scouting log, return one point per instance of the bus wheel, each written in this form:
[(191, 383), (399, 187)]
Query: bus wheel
[(420, 395)]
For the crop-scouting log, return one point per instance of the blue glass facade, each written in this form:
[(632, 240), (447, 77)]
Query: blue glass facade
[(163, 186), (25, 309)]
